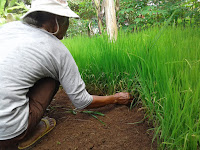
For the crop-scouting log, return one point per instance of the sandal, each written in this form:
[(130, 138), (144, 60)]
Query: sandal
[(28, 143)]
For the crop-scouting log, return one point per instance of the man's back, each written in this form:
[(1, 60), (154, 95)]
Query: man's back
[(23, 60)]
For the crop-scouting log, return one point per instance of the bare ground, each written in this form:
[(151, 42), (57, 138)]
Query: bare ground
[(83, 132)]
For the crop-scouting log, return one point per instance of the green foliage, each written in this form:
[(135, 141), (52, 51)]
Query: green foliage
[(2, 19), (132, 15), (86, 10), (137, 15), (142, 14), (11, 10), (17, 8), (162, 65), (2, 3)]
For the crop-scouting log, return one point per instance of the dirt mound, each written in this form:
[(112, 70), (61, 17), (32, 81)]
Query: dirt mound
[(83, 132)]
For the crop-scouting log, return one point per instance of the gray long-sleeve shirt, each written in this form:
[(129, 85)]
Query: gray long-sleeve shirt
[(28, 54)]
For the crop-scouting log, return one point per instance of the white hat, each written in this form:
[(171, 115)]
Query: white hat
[(57, 7)]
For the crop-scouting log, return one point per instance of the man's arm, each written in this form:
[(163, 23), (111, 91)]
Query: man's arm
[(118, 98)]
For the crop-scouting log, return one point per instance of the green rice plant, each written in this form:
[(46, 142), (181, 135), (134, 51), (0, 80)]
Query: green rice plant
[(91, 113), (163, 66)]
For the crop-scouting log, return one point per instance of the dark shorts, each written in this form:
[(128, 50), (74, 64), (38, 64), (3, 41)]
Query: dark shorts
[(40, 96)]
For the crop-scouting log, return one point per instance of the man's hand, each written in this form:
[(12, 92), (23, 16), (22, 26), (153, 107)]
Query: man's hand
[(118, 98), (122, 98)]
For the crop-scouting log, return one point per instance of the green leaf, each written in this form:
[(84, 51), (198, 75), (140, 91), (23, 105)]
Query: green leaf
[(97, 119), (138, 20), (12, 3), (2, 3), (129, 9), (122, 11), (94, 112), (15, 7)]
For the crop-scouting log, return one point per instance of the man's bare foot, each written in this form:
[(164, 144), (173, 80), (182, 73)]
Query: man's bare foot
[(44, 126)]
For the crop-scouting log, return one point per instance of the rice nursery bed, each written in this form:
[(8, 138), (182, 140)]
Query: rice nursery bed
[(160, 67)]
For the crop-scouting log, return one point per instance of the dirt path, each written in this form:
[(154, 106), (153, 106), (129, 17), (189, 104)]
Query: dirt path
[(84, 132)]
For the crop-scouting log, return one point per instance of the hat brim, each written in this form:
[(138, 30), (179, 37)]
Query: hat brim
[(67, 12)]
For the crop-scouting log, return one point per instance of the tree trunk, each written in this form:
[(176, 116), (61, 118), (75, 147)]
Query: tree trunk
[(99, 16), (117, 9), (111, 23), (117, 6)]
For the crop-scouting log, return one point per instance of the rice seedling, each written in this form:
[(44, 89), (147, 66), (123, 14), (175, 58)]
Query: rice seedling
[(163, 69)]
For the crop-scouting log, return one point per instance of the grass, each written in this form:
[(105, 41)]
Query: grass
[(161, 65)]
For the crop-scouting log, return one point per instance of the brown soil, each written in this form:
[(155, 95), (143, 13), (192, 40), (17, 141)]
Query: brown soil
[(84, 132)]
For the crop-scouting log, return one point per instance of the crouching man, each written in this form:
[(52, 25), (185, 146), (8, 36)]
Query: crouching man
[(33, 63)]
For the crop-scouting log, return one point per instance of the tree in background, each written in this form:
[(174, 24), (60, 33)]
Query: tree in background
[(111, 23), (134, 15), (99, 14), (86, 10), (131, 15), (105, 12)]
